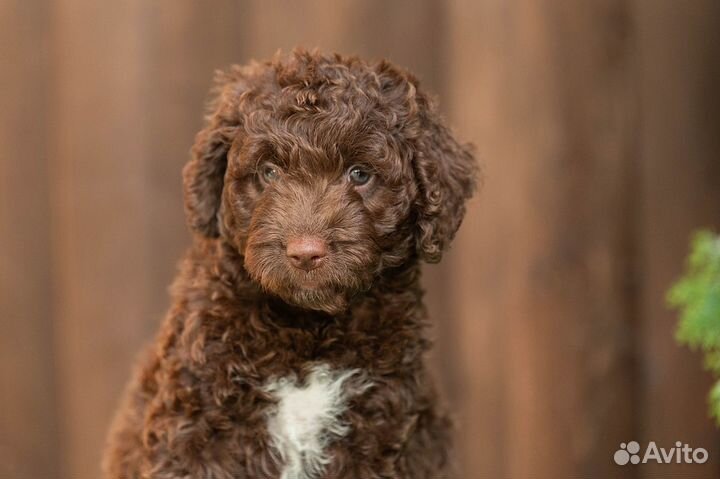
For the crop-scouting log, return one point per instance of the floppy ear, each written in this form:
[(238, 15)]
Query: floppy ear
[(203, 175), (445, 172)]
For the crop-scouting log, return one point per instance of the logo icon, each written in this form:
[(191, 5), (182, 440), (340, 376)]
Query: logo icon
[(627, 453)]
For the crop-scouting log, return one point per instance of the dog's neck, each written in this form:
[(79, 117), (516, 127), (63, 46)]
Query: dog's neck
[(382, 327), (394, 290)]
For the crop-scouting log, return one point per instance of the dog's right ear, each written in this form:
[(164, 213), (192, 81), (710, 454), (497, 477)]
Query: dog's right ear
[(203, 175)]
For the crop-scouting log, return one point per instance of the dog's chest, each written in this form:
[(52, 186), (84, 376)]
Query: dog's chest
[(309, 416)]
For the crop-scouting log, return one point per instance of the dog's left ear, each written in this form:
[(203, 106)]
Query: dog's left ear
[(203, 175), (445, 171)]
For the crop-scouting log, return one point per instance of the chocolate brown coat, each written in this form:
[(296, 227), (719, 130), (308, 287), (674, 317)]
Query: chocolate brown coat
[(197, 405)]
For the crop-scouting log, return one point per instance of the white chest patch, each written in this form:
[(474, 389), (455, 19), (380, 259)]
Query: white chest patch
[(308, 417)]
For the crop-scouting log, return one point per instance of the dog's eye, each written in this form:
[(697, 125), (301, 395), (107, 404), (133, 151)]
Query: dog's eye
[(269, 172), (358, 176)]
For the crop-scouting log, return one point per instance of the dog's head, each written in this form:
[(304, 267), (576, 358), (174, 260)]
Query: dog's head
[(323, 172)]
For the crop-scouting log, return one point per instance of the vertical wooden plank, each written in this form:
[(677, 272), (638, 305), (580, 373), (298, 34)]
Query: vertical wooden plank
[(28, 432), (680, 52), (99, 201), (543, 265), (474, 99)]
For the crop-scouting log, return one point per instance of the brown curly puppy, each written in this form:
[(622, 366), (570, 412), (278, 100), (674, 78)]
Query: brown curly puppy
[(294, 345)]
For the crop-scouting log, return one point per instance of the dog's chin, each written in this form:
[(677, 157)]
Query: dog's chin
[(325, 300), (311, 292)]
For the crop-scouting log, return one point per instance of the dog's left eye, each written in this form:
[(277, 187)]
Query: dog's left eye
[(358, 176), (269, 172)]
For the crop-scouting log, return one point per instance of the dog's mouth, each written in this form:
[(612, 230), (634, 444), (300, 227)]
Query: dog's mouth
[(308, 290), (311, 281), (320, 298)]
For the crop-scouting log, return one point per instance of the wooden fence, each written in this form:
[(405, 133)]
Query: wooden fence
[(598, 124)]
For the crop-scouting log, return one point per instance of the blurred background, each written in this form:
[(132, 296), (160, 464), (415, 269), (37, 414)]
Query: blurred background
[(598, 125)]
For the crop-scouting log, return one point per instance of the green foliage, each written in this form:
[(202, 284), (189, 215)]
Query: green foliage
[(697, 296)]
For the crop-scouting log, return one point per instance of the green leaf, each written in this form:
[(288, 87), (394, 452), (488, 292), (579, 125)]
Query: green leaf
[(697, 298)]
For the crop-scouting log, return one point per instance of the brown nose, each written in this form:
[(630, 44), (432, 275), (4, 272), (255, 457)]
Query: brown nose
[(306, 252)]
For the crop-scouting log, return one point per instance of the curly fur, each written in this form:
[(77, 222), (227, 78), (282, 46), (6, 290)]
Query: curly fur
[(202, 403)]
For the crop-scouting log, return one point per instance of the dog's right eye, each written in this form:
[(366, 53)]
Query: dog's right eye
[(358, 176), (269, 173)]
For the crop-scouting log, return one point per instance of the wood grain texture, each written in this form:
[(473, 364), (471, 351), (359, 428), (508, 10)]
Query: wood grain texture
[(28, 415), (101, 252)]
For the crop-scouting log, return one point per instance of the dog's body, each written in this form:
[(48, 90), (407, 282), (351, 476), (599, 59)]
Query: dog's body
[(294, 345)]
